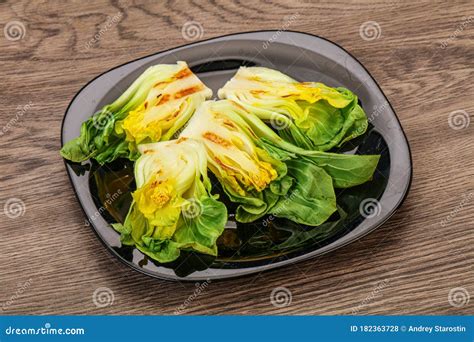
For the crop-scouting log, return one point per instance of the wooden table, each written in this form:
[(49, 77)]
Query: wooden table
[(422, 56)]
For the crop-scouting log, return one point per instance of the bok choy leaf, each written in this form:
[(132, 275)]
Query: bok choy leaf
[(152, 109), (262, 180), (308, 114), (346, 170), (173, 208)]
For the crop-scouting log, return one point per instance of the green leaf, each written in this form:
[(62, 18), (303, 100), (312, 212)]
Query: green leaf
[(157, 104), (197, 233), (249, 175), (200, 233), (311, 200), (307, 114), (172, 208), (346, 170), (72, 151)]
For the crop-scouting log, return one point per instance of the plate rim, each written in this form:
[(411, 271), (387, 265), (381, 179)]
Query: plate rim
[(270, 266)]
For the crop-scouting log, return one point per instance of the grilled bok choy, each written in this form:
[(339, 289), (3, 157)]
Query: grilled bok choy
[(308, 114), (346, 170), (152, 109), (253, 175), (173, 208), (266, 141)]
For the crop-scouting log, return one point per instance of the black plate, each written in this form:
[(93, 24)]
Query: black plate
[(268, 243)]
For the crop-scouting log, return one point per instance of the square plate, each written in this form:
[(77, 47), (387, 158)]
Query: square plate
[(302, 56)]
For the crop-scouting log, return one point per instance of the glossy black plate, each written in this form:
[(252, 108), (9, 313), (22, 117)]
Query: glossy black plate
[(104, 192)]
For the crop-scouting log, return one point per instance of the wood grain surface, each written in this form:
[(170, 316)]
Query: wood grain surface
[(422, 56)]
